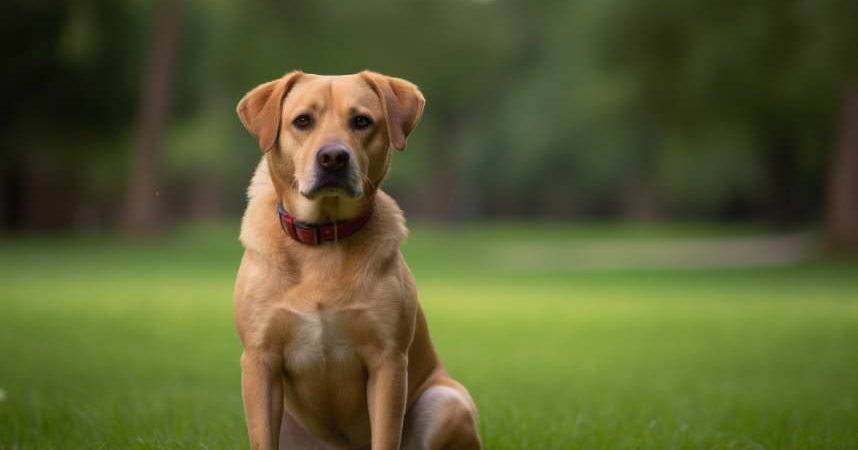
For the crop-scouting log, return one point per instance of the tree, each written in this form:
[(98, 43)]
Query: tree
[(843, 180), (141, 210), (768, 72)]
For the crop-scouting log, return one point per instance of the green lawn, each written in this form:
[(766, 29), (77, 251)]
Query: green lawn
[(112, 344)]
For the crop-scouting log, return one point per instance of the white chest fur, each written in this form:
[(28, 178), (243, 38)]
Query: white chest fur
[(317, 342)]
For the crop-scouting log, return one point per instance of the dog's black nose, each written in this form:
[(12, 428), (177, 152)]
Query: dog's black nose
[(332, 157)]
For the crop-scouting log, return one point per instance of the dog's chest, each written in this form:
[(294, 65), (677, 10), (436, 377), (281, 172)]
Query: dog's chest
[(319, 340)]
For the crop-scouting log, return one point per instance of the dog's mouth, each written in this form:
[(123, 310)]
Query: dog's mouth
[(332, 186)]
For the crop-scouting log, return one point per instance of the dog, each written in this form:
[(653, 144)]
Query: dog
[(337, 353)]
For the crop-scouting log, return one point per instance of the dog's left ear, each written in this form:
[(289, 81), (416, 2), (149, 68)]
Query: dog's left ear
[(261, 108), (402, 102)]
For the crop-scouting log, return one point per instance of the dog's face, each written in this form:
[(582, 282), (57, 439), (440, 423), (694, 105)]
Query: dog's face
[(330, 136)]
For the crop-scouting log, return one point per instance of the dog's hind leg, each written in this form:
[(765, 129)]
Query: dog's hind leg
[(442, 418)]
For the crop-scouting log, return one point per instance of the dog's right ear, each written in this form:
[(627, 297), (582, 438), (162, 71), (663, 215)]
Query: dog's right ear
[(261, 108)]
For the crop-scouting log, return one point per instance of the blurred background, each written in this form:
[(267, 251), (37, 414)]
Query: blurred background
[(120, 114), (634, 224)]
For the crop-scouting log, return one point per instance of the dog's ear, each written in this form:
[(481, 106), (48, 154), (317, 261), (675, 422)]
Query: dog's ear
[(261, 108), (402, 103)]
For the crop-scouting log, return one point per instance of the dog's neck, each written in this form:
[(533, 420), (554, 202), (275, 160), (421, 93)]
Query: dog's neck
[(326, 209), (262, 232)]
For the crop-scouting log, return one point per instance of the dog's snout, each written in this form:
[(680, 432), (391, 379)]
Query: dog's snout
[(334, 173), (332, 157)]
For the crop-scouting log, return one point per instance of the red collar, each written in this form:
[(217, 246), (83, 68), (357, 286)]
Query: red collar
[(311, 234)]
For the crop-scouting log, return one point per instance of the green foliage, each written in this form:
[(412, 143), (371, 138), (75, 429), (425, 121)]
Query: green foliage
[(543, 107)]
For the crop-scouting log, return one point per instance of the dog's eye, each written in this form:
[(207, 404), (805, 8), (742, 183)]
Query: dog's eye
[(361, 122), (302, 122)]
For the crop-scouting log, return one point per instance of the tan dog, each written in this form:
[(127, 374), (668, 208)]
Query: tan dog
[(336, 349)]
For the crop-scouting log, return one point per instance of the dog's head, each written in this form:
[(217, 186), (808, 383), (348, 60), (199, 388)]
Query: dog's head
[(328, 138)]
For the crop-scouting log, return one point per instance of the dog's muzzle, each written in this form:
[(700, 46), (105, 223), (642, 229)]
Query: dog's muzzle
[(334, 173)]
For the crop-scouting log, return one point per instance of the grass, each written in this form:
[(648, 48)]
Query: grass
[(111, 344)]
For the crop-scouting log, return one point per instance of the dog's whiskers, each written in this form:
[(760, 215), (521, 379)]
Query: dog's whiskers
[(368, 181)]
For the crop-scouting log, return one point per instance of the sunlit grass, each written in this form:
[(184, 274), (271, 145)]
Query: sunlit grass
[(106, 343)]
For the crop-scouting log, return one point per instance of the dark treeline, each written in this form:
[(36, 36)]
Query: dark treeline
[(121, 113)]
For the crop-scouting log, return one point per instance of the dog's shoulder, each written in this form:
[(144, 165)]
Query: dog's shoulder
[(388, 221), (259, 227)]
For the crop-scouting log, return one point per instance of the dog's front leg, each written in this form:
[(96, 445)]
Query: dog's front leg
[(386, 395), (262, 389)]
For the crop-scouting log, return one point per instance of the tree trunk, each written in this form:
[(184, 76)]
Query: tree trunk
[(843, 178), (141, 210), (12, 206)]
